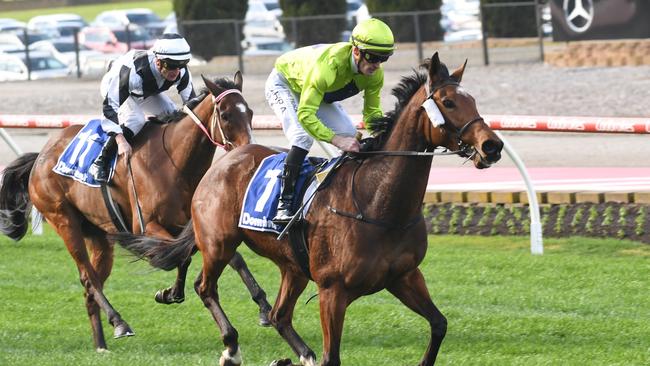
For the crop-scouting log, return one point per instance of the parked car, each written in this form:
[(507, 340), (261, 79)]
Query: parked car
[(260, 22), (9, 41), (144, 18), (66, 52), (9, 25), (42, 65), (107, 40), (62, 25), (460, 15), (262, 46)]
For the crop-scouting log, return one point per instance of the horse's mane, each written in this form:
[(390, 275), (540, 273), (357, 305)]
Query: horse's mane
[(177, 115), (404, 91)]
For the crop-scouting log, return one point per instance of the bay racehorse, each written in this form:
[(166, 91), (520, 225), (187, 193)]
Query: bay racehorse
[(365, 230), (168, 162)]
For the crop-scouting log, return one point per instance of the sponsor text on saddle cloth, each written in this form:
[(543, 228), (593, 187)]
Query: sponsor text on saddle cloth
[(80, 153), (263, 192)]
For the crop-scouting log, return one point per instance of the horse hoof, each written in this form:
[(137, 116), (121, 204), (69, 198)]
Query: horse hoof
[(264, 319), (165, 297), (123, 330), (282, 362)]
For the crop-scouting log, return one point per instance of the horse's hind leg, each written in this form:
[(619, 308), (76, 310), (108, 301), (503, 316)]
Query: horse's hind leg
[(257, 293), (291, 287), (411, 290), (176, 293), (68, 227)]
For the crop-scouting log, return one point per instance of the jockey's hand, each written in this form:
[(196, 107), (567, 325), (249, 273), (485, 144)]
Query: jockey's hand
[(348, 144), (123, 147)]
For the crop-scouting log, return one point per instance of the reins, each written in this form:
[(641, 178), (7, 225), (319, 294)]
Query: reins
[(215, 120)]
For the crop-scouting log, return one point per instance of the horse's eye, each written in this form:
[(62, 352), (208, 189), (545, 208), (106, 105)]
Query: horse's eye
[(225, 116), (448, 104)]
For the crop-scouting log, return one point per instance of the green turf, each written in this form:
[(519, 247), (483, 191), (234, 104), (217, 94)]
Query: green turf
[(584, 302), (89, 12)]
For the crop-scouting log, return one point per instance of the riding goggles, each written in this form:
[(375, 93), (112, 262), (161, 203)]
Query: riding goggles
[(374, 58), (173, 64)]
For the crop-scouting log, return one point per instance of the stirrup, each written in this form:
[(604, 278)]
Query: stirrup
[(283, 217), (99, 173)]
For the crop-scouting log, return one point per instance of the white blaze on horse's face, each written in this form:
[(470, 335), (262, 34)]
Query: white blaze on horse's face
[(241, 107)]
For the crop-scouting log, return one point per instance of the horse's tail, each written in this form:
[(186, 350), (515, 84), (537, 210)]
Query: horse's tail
[(14, 197), (165, 254)]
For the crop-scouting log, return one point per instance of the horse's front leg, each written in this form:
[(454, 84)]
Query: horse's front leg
[(411, 290), (176, 293), (257, 293), (333, 304), (291, 286)]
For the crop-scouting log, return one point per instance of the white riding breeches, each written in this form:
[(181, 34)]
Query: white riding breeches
[(284, 103), (131, 113)]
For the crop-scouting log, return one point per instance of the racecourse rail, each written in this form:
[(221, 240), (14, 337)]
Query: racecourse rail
[(496, 122)]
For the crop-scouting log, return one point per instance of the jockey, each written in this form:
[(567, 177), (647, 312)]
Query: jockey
[(133, 86), (306, 85)]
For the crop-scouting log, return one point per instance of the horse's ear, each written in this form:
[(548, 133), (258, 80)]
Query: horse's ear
[(214, 88), (239, 80), (458, 73), (434, 68)]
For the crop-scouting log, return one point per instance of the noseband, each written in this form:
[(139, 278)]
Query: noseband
[(215, 121)]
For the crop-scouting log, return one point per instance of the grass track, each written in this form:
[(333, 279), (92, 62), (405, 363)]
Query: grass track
[(585, 302)]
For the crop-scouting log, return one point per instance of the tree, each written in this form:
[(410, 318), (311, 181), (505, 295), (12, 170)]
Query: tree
[(403, 27), (213, 38), (313, 31)]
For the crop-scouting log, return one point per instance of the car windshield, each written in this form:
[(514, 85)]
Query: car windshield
[(68, 47), (135, 35), (143, 18), (353, 6), (45, 63)]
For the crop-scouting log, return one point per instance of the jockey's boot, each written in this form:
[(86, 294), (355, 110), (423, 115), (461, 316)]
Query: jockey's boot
[(101, 166), (290, 173)]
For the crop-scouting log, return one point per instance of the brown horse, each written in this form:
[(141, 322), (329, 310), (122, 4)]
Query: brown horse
[(365, 230), (168, 163)]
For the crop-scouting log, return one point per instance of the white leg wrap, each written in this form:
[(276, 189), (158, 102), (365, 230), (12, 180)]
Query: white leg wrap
[(235, 359), (308, 361)]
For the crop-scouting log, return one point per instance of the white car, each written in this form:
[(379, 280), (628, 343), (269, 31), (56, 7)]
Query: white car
[(62, 25), (263, 46), (142, 17), (43, 66), (66, 52), (260, 22), (9, 25)]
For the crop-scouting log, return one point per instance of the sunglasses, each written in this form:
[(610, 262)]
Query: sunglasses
[(374, 58), (171, 65)]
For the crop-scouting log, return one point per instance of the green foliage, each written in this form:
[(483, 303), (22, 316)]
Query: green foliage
[(608, 216), (487, 211), (498, 219), (453, 220), (403, 27), (559, 220), (639, 221), (577, 218), (469, 217), (591, 220), (214, 39), (312, 31), (509, 21)]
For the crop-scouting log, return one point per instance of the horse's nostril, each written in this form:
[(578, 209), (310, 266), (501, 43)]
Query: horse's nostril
[(490, 147)]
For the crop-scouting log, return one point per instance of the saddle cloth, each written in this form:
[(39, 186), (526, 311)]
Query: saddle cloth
[(263, 192), (83, 149)]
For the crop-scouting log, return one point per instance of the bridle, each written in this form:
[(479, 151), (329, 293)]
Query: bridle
[(464, 149), (215, 121)]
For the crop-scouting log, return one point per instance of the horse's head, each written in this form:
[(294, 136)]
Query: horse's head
[(463, 128), (231, 120)]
